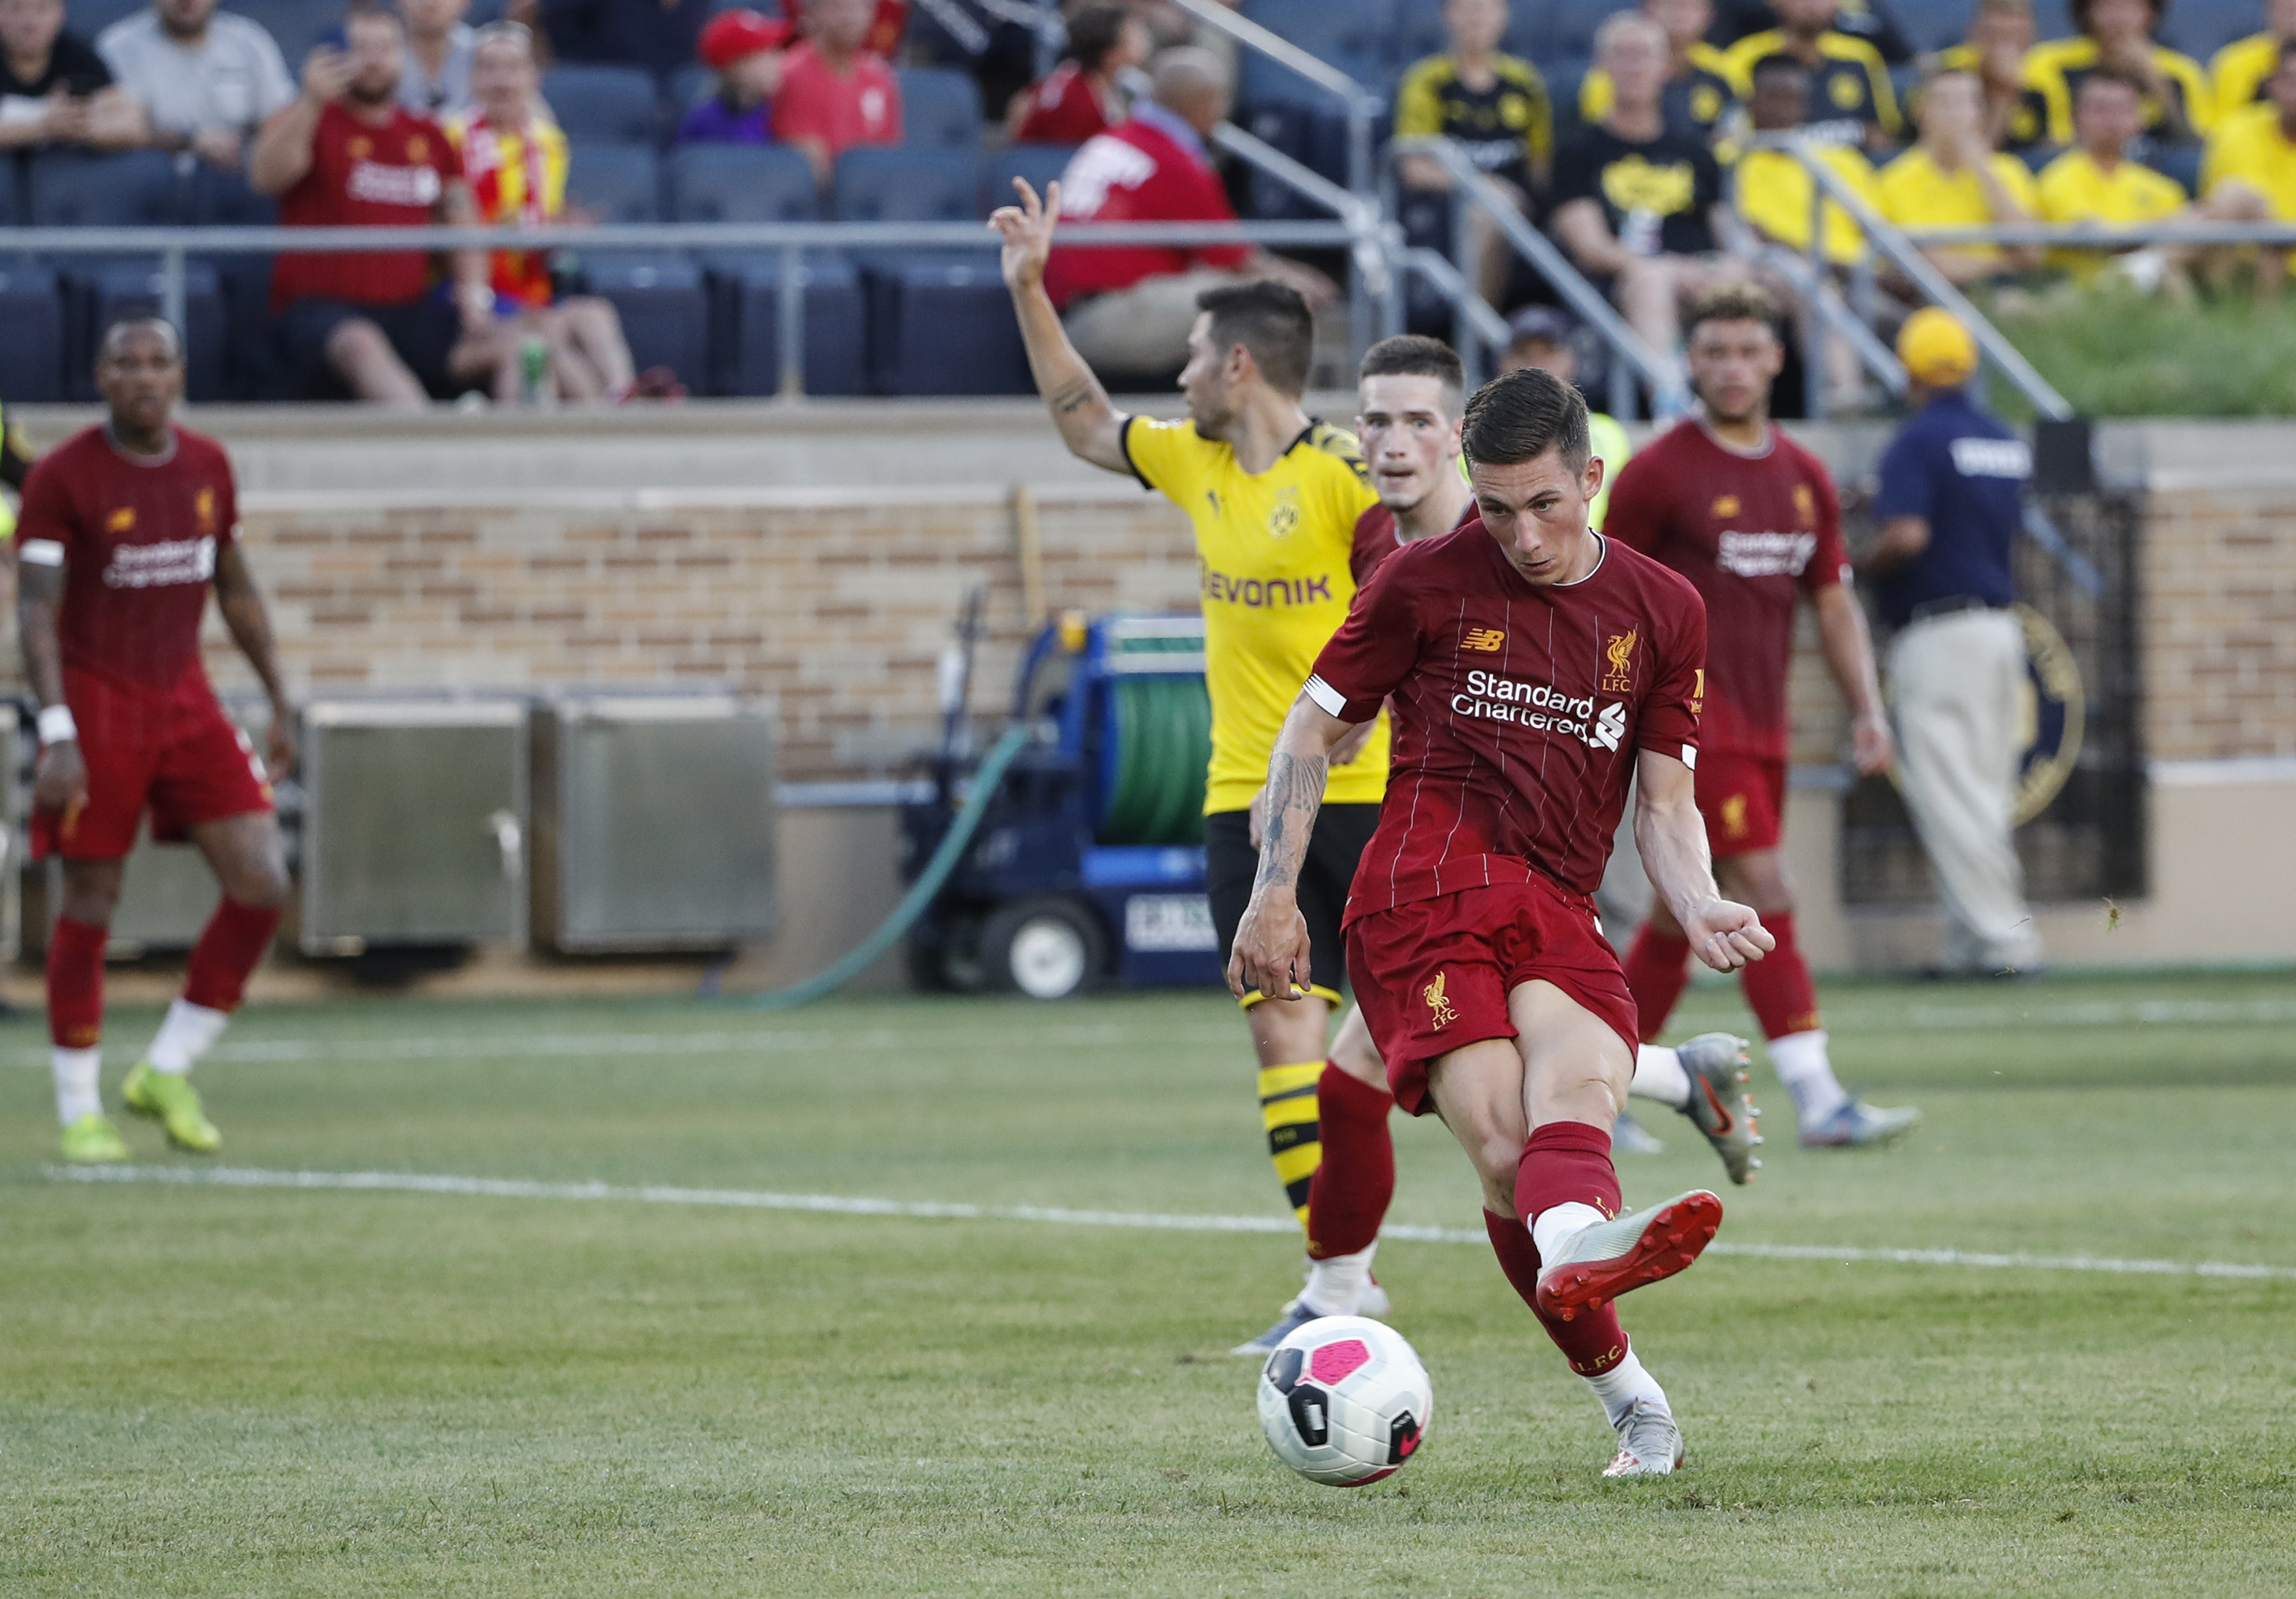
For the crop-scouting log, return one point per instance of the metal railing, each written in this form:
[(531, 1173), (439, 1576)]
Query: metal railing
[(1631, 358), (1362, 107)]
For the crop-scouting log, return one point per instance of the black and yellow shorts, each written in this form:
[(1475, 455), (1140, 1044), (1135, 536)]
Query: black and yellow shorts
[(1231, 865)]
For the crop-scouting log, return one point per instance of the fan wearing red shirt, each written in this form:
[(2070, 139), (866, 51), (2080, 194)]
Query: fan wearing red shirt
[(1752, 520), (836, 91), (125, 528), (346, 154), (1080, 97), (1535, 670), (1129, 309)]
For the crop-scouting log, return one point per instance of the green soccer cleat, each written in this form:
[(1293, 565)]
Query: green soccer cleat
[(93, 1141), (175, 1104)]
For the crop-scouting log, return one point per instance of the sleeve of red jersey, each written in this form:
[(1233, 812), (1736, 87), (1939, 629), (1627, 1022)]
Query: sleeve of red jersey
[(1668, 722), (45, 527), (1373, 652), (1829, 564)]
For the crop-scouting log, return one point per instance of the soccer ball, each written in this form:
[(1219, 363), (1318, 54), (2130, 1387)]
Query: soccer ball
[(1344, 1401)]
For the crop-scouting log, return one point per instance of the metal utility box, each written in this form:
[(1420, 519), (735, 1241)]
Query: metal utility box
[(653, 821), (413, 823)]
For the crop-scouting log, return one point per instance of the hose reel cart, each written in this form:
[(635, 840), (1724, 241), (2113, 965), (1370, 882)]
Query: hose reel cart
[(1089, 862)]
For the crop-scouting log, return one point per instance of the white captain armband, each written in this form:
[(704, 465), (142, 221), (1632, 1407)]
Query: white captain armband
[(40, 552), (1690, 756), (1333, 703), (57, 727)]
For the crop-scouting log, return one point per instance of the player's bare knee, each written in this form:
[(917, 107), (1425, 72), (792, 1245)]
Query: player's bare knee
[(259, 883), (91, 892)]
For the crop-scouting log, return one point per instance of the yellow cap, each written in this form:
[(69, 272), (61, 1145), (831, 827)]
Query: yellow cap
[(1937, 351)]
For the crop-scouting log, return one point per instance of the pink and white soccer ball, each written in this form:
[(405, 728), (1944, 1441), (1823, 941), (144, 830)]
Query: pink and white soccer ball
[(1344, 1401)]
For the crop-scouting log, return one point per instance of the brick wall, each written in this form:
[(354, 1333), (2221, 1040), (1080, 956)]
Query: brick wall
[(2220, 622)]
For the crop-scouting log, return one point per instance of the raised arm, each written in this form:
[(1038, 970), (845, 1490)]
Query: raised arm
[(1092, 428), (1848, 649), (1672, 840), (240, 601), (1271, 942), (282, 146), (60, 778)]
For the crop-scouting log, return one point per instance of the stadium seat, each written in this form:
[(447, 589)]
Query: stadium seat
[(1354, 36), (1931, 24), (604, 102), (940, 107), (134, 188), (2179, 161), (745, 324), (739, 182), (689, 87), (887, 183), (1563, 78), (252, 369), (2053, 20), (2202, 27), (1418, 32), (621, 182), (664, 308), (32, 355), (1040, 164), (944, 326), (1571, 25), (1529, 33)]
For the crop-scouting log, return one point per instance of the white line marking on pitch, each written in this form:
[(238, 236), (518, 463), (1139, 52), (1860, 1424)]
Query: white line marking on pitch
[(743, 1198)]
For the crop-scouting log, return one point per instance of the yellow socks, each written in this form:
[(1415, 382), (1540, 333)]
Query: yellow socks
[(1287, 1108)]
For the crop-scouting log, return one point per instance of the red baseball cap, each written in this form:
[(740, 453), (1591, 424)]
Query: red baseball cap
[(733, 36)]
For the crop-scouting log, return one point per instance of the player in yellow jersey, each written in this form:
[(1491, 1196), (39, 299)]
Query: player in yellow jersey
[(1274, 496)]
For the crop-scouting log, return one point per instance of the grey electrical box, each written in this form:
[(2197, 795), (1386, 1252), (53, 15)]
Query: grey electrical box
[(653, 821), (413, 823)]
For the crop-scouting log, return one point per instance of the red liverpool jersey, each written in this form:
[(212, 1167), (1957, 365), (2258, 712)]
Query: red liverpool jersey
[(1751, 532), (1376, 540), (1518, 710), (389, 174), (138, 542)]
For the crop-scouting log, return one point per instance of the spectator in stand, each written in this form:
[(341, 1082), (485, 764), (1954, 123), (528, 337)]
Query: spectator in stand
[(1495, 107), (836, 91), (1866, 20), (1954, 178), (2239, 72), (2178, 106), (1636, 203), (439, 44), (1697, 98), (1084, 95), (2017, 115), (205, 79), (1128, 309), (2097, 183), (661, 36), (747, 49), (1850, 100), (54, 88), (346, 153), (514, 159), (2248, 174)]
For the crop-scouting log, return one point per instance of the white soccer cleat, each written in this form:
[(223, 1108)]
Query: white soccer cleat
[(1649, 1443), (1719, 1105)]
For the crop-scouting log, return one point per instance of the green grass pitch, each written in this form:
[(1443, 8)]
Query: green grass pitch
[(256, 1392)]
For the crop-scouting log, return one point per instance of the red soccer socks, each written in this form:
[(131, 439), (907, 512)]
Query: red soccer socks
[(1348, 1197), (230, 946), (1657, 970), (76, 983), (1594, 1341), (1778, 986)]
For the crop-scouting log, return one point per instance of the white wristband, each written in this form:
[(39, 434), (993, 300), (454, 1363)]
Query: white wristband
[(57, 727)]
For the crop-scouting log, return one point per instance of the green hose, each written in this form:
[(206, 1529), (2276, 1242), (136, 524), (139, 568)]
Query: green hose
[(986, 781), (1161, 730)]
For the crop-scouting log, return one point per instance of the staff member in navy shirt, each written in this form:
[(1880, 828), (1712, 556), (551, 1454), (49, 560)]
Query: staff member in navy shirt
[(1951, 499)]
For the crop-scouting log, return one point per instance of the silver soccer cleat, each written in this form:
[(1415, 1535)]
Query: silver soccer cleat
[(1649, 1443), (1720, 1107)]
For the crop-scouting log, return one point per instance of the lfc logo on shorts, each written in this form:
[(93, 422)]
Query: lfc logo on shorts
[(1440, 1014), (1734, 816), (1619, 653)]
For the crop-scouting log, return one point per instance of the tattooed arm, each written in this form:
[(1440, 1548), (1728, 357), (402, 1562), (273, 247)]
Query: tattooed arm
[(1092, 428), (1271, 943)]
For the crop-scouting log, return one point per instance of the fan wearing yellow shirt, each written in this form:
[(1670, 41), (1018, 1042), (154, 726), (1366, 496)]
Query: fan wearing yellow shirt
[(1274, 496), (2238, 72), (2017, 115), (1850, 100), (2248, 174), (1954, 178), (1697, 98), (2096, 183), (2179, 107)]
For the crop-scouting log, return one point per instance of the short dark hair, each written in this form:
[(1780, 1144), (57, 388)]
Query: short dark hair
[(1415, 356), (2081, 9), (1271, 321), (1524, 415), (1740, 301), (1092, 33), (1778, 62), (2113, 72), (131, 319)]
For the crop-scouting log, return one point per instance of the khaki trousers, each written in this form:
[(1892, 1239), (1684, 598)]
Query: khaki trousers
[(1957, 687), (1142, 329)]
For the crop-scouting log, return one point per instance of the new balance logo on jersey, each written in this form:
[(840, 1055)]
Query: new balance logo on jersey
[(1766, 554), (1993, 458), (161, 565), (1487, 640)]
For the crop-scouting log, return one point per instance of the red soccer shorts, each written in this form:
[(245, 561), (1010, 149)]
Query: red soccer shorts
[(1434, 975), (1744, 799), (171, 748)]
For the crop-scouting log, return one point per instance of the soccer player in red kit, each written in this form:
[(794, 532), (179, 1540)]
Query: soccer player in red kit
[(1752, 520), (124, 529), (1537, 669)]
